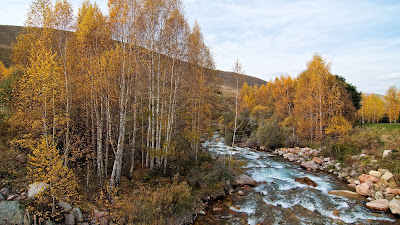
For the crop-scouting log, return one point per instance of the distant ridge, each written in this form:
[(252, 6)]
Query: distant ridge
[(368, 94), (227, 80)]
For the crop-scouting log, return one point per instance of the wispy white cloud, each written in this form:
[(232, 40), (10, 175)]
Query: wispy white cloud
[(360, 38)]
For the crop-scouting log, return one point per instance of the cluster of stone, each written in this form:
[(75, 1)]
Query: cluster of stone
[(378, 186)]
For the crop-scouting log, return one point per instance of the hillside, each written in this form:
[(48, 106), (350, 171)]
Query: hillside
[(8, 35)]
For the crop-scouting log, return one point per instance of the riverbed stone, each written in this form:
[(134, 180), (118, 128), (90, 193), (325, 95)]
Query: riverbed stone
[(49, 222), (387, 176), (386, 153), (11, 212), (309, 165), (5, 192), (244, 179), (368, 178), (99, 214), (69, 219), (380, 205), (307, 181), (393, 191), (65, 206), (77, 214), (347, 194), (365, 189), (352, 187), (36, 188), (217, 210), (394, 206), (378, 195), (103, 221), (241, 193), (317, 160), (247, 188), (375, 173)]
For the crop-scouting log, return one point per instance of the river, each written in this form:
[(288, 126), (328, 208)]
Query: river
[(279, 199)]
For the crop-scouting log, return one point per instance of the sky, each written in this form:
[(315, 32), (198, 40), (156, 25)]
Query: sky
[(360, 38)]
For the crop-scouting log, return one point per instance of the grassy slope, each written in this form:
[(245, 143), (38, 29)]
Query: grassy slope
[(387, 126), (8, 35)]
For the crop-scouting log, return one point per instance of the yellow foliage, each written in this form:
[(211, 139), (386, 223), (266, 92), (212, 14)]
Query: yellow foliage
[(392, 103), (338, 126), (38, 99), (3, 71), (317, 100), (46, 165), (372, 108)]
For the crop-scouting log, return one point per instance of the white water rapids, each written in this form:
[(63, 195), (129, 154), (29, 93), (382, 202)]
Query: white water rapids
[(279, 199)]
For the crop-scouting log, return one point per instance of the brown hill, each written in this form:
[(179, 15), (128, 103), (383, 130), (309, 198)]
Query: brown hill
[(8, 35), (227, 80)]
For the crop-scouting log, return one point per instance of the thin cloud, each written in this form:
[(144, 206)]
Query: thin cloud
[(358, 37)]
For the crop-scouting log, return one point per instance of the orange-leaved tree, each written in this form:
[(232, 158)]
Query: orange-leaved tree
[(46, 166), (392, 103), (317, 100)]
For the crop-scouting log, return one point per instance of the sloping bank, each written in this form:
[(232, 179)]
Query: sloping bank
[(279, 198)]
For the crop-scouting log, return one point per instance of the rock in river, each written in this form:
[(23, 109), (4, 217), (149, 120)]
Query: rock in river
[(346, 194), (306, 180), (244, 179), (217, 210), (380, 204)]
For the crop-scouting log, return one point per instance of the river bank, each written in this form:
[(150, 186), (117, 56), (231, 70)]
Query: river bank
[(278, 198), (378, 186)]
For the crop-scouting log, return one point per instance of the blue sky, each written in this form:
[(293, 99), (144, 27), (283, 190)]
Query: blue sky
[(361, 39)]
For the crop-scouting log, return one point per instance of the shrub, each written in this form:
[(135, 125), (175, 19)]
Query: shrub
[(269, 134), (162, 205)]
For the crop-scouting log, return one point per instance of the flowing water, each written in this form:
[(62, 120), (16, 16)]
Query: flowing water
[(278, 199)]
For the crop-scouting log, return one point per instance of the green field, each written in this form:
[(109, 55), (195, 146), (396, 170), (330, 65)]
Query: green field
[(387, 126)]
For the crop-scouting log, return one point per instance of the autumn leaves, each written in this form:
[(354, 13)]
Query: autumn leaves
[(312, 106), (104, 87)]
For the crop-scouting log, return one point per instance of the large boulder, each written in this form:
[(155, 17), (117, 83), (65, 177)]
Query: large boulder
[(36, 188), (11, 212), (309, 165), (306, 180), (394, 206), (347, 194), (387, 176), (365, 189), (368, 178), (243, 179), (380, 205)]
